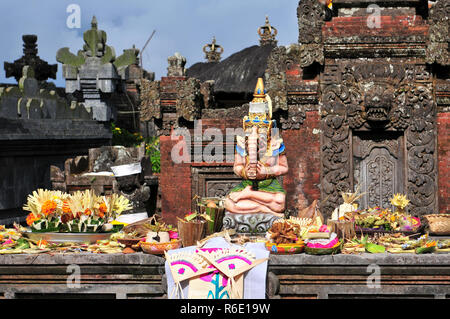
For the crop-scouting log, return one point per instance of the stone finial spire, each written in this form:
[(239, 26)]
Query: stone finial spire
[(213, 51), (267, 33), (41, 68), (176, 65), (94, 23)]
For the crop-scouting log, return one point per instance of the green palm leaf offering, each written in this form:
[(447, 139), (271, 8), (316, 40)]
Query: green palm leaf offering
[(425, 250), (374, 248)]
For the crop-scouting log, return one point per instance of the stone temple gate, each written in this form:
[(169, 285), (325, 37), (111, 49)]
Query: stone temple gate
[(362, 99), (377, 78)]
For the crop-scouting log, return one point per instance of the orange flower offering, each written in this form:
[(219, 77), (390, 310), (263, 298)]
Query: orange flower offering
[(79, 211), (431, 244), (48, 207), (65, 208), (102, 210), (42, 242), (31, 218)]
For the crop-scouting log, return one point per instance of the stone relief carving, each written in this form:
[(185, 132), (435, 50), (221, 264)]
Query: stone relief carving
[(293, 118), (189, 101), (421, 150), (311, 16), (286, 106), (367, 96), (248, 223), (219, 188), (439, 36), (275, 78), (310, 53), (150, 100)]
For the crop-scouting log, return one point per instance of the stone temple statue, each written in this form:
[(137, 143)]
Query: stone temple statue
[(259, 159)]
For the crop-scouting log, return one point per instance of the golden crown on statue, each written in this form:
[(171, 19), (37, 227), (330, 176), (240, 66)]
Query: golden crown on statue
[(260, 109)]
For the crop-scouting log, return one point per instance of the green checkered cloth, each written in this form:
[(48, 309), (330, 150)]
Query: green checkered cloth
[(270, 185)]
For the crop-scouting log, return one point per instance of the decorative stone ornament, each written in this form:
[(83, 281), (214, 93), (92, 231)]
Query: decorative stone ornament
[(176, 65), (213, 51), (42, 70), (95, 71), (267, 34), (438, 44)]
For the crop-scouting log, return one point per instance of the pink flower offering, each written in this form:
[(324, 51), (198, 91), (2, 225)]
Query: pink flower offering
[(9, 241), (173, 234), (323, 229), (329, 245)]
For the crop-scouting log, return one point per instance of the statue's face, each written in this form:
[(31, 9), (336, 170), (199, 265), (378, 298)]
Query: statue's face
[(378, 102)]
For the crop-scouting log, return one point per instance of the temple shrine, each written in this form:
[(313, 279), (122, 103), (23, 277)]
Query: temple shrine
[(278, 171)]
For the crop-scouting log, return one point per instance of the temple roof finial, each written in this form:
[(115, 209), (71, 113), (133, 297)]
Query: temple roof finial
[(213, 51), (267, 33), (94, 22)]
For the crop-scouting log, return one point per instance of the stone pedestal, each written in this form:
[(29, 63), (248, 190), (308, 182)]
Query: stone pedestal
[(249, 224)]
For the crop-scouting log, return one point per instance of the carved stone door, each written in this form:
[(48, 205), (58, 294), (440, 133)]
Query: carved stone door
[(378, 167), (213, 181)]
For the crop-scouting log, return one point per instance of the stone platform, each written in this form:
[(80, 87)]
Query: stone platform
[(141, 275)]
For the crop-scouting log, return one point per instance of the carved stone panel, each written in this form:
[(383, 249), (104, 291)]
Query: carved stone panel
[(378, 168), (213, 181), (376, 97), (437, 50)]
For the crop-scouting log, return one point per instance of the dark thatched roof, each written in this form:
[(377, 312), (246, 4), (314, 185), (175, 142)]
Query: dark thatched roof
[(236, 74)]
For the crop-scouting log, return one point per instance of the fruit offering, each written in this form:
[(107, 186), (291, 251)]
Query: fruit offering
[(385, 219)]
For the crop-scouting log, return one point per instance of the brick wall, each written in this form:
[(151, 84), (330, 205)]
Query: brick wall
[(175, 179), (175, 183), (301, 183), (443, 123), (389, 26), (303, 154)]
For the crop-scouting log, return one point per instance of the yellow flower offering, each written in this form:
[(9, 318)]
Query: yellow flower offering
[(399, 201)]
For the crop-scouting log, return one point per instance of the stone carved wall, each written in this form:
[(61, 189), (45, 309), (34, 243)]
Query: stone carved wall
[(171, 99), (311, 15), (396, 93), (439, 33), (275, 78), (293, 118), (213, 181), (150, 100), (289, 97), (189, 99)]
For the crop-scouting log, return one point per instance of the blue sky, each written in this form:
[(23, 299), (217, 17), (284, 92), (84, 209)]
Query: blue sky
[(181, 26)]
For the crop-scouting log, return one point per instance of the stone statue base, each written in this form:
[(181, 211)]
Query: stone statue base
[(249, 224)]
